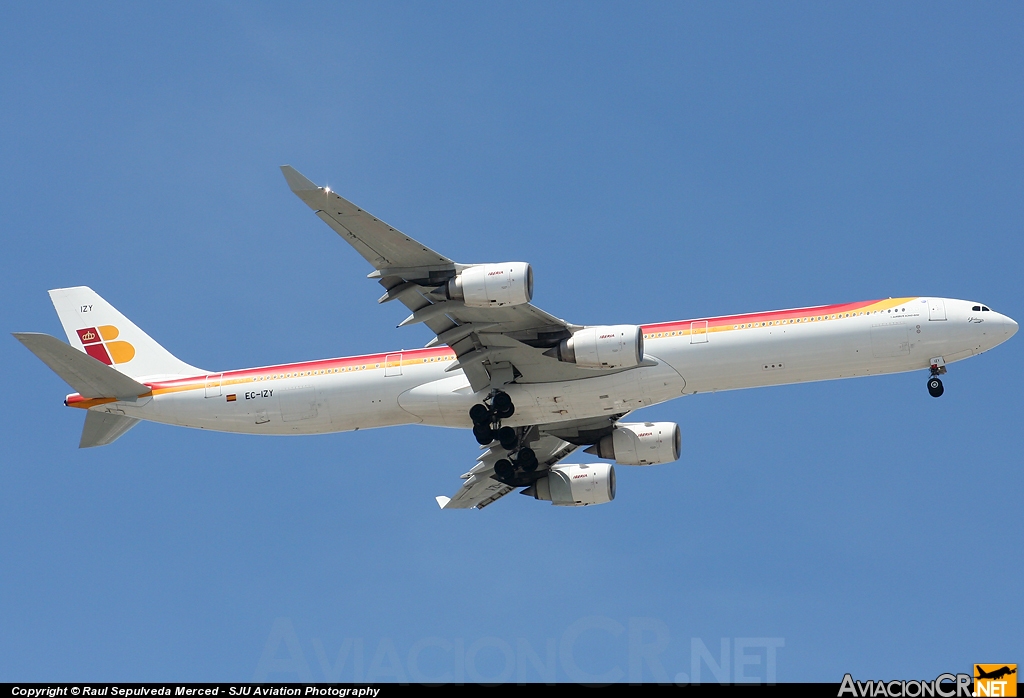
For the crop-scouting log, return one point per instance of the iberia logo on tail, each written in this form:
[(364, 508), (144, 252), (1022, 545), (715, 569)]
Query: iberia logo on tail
[(100, 344)]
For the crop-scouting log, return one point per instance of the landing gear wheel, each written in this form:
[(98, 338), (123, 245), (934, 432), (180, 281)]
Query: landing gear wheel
[(502, 405), (483, 434), (480, 414), (508, 438), (527, 460), (935, 388), (503, 469)]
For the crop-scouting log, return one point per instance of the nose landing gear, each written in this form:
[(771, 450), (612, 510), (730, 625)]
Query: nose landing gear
[(935, 388)]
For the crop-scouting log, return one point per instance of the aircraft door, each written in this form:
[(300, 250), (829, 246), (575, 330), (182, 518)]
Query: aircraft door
[(213, 383), (936, 309), (392, 365), (698, 331)]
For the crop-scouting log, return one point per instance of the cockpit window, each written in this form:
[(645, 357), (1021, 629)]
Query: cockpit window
[(976, 308), (985, 310)]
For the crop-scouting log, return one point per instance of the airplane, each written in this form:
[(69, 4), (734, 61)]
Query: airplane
[(995, 674), (532, 387)]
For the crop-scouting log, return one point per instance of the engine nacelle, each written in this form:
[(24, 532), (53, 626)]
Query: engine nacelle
[(646, 443), (493, 285), (576, 485), (607, 346)]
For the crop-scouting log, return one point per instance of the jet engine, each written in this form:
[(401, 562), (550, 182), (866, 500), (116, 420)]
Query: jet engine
[(644, 443), (607, 346), (576, 485), (493, 285)]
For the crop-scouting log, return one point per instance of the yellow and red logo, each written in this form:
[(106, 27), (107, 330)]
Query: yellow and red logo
[(100, 344), (995, 679)]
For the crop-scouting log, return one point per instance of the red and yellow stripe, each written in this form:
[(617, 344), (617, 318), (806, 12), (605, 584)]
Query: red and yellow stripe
[(370, 362), (821, 313), (320, 367)]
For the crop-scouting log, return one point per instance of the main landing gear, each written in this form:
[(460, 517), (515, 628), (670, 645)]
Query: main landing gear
[(521, 461), (935, 388), (517, 470), (487, 421)]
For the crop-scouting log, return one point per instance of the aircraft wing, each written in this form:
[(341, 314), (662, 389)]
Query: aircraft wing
[(550, 443), (381, 245), (493, 345), (481, 489)]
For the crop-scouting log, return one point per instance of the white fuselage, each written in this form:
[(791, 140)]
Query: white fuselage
[(688, 357)]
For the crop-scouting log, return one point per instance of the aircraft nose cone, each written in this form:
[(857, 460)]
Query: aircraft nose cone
[(1011, 327)]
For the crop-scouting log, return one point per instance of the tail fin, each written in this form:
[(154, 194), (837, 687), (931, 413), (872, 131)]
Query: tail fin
[(98, 329)]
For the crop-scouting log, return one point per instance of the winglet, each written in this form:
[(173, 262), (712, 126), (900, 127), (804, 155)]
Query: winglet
[(296, 181), (443, 501)]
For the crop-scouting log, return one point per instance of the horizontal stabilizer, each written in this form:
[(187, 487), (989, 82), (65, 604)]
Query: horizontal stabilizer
[(91, 378), (102, 428)]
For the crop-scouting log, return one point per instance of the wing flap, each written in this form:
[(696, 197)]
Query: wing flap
[(477, 492)]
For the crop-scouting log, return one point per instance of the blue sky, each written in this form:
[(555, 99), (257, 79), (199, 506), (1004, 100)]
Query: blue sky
[(656, 162)]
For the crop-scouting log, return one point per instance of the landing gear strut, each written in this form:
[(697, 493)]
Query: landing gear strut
[(935, 388)]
